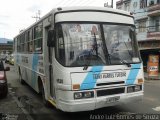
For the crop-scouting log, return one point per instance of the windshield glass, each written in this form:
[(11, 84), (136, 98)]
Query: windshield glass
[(94, 44), (120, 43)]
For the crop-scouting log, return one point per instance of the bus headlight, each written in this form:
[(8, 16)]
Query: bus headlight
[(137, 88), (134, 88), (130, 89), (81, 95), (88, 94), (78, 95)]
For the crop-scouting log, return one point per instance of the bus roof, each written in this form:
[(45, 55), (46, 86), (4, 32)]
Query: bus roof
[(80, 8), (91, 8)]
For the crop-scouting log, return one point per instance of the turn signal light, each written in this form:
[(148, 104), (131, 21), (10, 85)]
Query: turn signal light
[(140, 81), (76, 86)]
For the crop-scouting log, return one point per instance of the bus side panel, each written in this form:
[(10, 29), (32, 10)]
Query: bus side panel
[(28, 65)]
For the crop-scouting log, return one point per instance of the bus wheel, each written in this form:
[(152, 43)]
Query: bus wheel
[(45, 102), (20, 78)]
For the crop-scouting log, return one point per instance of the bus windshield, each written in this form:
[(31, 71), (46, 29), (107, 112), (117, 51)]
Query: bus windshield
[(95, 44)]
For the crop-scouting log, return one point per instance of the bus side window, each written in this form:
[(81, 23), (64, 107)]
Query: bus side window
[(31, 46)]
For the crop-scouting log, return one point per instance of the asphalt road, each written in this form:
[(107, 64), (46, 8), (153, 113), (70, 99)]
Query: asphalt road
[(25, 102)]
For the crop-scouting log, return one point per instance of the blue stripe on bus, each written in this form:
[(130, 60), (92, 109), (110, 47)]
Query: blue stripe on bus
[(133, 74), (89, 82), (34, 69)]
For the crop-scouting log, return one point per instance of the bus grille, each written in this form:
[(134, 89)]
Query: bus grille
[(110, 91), (110, 83)]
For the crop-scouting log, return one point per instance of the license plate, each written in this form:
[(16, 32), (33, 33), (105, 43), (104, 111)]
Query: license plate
[(112, 99)]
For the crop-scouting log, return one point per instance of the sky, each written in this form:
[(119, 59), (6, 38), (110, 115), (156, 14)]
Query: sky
[(16, 15)]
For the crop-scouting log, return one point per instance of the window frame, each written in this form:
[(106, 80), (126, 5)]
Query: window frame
[(26, 40)]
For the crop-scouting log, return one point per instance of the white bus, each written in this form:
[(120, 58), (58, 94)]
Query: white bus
[(81, 58)]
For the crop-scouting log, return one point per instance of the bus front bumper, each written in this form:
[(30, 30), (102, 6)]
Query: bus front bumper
[(98, 102)]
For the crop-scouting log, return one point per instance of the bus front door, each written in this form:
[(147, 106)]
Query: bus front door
[(50, 61)]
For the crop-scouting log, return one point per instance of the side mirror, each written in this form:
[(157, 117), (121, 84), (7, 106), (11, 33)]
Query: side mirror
[(7, 69), (50, 39)]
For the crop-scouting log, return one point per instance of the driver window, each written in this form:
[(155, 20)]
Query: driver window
[(60, 51)]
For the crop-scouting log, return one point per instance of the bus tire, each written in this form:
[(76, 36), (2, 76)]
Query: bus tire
[(20, 78), (45, 102)]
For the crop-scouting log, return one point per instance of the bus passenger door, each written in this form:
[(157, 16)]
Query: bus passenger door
[(50, 69)]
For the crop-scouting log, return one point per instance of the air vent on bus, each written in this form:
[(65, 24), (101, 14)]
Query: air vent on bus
[(110, 83)]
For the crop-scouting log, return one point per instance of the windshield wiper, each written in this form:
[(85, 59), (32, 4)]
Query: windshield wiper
[(87, 62), (95, 48), (125, 62), (85, 67)]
